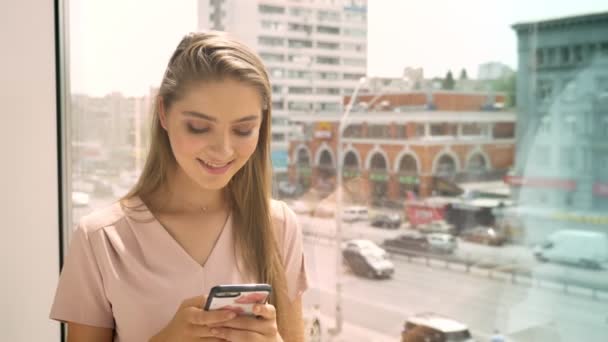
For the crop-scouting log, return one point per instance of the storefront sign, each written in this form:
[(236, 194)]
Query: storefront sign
[(409, 180), (378, 177), (600, 189), (422, 214), (553, 183)]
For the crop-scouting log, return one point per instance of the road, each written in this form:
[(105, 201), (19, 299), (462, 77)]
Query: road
[(481, 303)]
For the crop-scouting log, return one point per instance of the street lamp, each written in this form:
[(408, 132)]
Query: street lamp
[(339, 167)]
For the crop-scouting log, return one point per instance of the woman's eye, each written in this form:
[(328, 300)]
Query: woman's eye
[(243, 133), (196, 130)]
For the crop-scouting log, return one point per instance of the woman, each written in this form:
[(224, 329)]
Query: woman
[(199, 216)]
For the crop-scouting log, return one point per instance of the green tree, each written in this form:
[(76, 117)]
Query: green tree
[(448, 81), (507, 84), (463, 74)]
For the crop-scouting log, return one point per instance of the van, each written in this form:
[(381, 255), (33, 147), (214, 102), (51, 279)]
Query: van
[(370, 263), (433, 327), (582, 248), (354, 213)]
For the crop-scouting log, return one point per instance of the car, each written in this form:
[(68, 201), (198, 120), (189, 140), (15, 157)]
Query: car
[(432, 327), (287, 189), (370, 263), (391, 220), (407, 242), (484, 235), (362, 244), (355, 213), (443, 243), (439, 226), (575, 247)]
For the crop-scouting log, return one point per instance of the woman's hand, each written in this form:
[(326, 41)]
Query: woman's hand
[(245, 328), (192, 323)]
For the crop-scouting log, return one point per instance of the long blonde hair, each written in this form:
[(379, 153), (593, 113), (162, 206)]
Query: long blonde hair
[(214, 56)]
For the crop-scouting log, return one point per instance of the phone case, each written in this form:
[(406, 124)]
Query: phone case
[(238, 298)]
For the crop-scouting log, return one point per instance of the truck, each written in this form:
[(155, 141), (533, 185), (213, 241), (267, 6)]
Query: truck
[(583, 248)]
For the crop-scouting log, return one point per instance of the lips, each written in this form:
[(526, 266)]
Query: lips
[(214, 167)]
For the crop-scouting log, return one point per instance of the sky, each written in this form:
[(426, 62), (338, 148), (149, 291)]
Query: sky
[(124, 45)]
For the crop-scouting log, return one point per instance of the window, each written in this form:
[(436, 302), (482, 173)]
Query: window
[(328, 29), (353, 131), (298, 44), (300, 58), (565, 53), (300, 106), (278, 137), (328, 75), (578, 54), (300, 12), (354, 62), (277, 89), (568, 157), (474, 129), (503, 130), (544, 90), (300, 90), (551, 56), (443, 129), (272, 57), (330, 16), (355, 32), (328, 45), (378, 131), (353, 47), (328, 60), (268, 9), (271, 41), (353, 77), (329, 107), (300, 28), (570, 125), (299, 74), (276, 72), (272, 25), (328, 91), (401, 131), (354, 16), (420, 130), (540, 57)]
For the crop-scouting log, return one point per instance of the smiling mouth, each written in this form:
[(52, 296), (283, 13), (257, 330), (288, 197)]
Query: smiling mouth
[(215, 168)]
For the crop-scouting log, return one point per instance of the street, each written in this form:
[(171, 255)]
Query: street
[(481, 303)]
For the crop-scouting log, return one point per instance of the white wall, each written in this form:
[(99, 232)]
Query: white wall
[(29, 252)]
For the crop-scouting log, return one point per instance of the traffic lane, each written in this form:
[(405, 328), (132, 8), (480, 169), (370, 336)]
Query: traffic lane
[(504, 257), (481, 303)]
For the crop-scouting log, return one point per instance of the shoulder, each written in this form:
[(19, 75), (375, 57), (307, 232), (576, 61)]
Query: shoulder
[(283, 218), (101, 218)]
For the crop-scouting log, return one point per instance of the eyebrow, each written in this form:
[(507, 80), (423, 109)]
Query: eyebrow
[(212, 119)]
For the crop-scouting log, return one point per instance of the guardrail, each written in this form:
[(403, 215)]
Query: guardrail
[(515, 273)]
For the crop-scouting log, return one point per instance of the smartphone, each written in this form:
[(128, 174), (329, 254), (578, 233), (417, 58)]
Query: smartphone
[(239, 298)]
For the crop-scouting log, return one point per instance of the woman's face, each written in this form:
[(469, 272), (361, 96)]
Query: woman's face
[(213, 130)]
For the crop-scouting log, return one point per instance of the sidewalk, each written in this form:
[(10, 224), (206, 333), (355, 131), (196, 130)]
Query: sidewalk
[(354, 333)]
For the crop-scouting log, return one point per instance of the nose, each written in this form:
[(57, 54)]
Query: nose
[(222, 145)]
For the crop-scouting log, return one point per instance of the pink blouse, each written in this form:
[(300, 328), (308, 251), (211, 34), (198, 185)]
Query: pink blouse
[(124, 271)]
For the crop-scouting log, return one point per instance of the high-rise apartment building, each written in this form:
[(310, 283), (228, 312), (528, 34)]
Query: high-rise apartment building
[(315, 52)]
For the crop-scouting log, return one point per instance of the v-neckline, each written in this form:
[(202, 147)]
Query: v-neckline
[(180, 249)]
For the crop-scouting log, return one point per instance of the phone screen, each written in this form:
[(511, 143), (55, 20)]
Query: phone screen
[(240, 301)]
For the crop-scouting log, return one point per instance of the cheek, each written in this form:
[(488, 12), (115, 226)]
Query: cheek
[(246, 147), (185, 145)]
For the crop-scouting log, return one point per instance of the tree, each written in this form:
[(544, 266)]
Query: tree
[(463, 74), (448, 82), (507, 84)]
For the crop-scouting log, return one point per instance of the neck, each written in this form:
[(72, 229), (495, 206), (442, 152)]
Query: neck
[(182, 195)]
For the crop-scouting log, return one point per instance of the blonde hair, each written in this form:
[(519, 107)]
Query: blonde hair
[(213, 56)]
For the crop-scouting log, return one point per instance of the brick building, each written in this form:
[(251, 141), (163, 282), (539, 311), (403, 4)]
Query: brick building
[(413, 141)]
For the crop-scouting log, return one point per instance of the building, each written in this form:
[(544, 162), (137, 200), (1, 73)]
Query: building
[(493, 71), (315, 52), (560, 178), (407, 145)]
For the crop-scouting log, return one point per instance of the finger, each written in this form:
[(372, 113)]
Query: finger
[(235, 335), (267, 311), (263, 326), (201, 317)]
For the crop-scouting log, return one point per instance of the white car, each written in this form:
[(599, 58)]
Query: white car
[(355, 213), (442, 242), (362, 244), (434, 327)]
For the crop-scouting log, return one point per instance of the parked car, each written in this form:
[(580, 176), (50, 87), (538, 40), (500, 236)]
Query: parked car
[(432, 327), (583, 248), (443, 243), (484, 235), (362, 244), (436, 227), (355, 213), (370, 263), (287, 189), (386, 220)]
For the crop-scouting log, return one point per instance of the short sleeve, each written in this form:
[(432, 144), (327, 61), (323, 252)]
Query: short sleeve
[(80, 295), (293, 255)]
